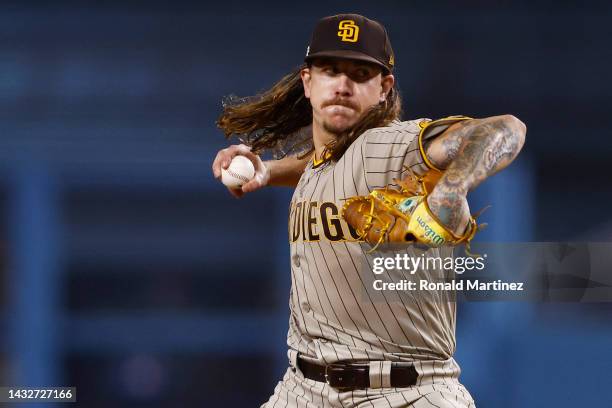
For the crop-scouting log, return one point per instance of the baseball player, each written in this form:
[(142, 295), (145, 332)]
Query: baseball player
[(337, 119)]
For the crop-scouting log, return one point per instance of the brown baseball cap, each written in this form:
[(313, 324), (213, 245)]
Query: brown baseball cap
[(351, 36)]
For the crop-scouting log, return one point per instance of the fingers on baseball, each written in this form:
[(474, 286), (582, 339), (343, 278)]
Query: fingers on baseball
[(236, 150), (252, 185), (216, 168), (219, 163), (225, 156)]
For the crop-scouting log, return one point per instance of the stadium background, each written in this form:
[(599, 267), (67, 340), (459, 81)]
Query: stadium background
[(129, 272)]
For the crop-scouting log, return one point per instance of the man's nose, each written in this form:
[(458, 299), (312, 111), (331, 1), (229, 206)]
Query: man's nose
[(344, 85)]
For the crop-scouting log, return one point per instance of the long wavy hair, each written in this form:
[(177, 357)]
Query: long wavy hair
[(267, 120)]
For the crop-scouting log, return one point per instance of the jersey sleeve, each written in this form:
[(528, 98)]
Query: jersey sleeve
[(416, 157), (390, 152)]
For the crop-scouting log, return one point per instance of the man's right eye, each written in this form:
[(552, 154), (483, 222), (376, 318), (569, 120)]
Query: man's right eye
[(330, 69)]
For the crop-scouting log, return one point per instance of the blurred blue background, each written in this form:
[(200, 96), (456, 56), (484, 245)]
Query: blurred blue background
[(129, 272)]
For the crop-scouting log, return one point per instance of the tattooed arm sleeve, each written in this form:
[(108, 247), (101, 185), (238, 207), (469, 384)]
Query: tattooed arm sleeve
[(470, 151)]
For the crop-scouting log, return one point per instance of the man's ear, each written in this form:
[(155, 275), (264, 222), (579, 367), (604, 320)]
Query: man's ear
[(305, 74), (386, 84)]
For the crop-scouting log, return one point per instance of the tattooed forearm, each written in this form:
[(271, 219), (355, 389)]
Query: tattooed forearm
[(452, 209), (475, 151), (490, 145)]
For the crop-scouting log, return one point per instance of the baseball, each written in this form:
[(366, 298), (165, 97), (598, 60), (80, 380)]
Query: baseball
[(238, 173)]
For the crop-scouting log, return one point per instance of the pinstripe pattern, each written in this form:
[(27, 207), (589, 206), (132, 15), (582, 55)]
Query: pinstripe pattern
[(333, 317)]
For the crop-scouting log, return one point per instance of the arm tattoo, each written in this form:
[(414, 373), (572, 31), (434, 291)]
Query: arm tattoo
[(475, 151), (453, 139)]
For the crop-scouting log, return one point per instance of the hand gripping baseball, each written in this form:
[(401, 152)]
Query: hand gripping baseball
[(402, 215), (223, 160)]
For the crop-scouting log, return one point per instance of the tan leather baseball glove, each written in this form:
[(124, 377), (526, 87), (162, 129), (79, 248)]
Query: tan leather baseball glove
[(402, 215)]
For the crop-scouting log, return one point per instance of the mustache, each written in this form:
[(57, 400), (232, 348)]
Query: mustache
[(342, 102)]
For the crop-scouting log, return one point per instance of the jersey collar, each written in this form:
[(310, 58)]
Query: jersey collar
[(318, 162)]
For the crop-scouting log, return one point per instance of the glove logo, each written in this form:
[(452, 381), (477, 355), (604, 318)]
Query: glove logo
[(348, 31), (408, 205), (429, 232)]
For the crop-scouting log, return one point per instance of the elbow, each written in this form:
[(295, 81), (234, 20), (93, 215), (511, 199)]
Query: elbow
[(515, 127)]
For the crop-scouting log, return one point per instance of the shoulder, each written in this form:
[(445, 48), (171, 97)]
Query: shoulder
[(394, 130), (392, 139), (379, 154)]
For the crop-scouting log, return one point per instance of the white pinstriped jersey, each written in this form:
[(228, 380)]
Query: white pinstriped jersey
[(332, 319)]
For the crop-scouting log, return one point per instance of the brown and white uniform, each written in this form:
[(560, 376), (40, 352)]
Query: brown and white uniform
[(333, 316)]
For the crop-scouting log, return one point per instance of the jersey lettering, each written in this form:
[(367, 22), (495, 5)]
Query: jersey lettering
[(330, 221), (309, 220), (312, 221)]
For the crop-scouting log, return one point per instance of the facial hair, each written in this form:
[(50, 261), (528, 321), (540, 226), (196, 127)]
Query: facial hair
[(335, 130), (338, 130)]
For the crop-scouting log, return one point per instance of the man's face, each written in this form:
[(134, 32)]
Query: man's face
[(342, 90)]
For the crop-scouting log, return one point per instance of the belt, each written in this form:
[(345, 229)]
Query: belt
[(354, 376)]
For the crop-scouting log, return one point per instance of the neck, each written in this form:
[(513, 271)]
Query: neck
[(320, 138)]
